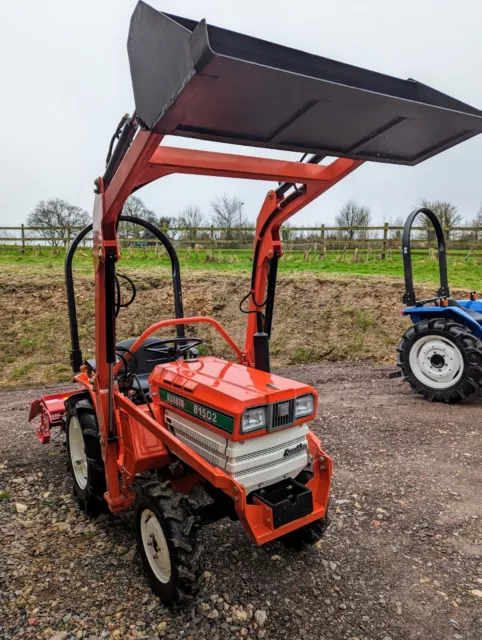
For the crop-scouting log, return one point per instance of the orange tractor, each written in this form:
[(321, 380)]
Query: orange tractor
[(149, 413)]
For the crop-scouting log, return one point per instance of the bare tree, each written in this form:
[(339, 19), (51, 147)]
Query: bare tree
[(56, 212), (287, 233), (135, 207), (396, 234), (191, 218), (8, 237), (353, 215), (227, 212), (447, 213), (477, 221)]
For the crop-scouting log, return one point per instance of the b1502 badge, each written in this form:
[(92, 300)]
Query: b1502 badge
[(199, 411)]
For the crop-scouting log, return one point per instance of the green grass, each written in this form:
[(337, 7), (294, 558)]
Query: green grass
[(19, 372), (462, 273), (4, 495), (362, 323), (302, 355), (363, 320)]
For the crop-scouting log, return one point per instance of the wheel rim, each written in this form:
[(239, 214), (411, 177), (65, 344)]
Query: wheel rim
[(78, 457), (436, 362), (155, 546)]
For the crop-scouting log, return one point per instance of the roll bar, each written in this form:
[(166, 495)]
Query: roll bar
[(409, 297), (76, 358)]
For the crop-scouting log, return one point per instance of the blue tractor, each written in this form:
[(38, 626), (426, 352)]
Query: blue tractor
[(440, 355)]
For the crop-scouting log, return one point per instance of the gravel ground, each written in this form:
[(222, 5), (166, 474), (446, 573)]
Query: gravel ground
[(401, 560)]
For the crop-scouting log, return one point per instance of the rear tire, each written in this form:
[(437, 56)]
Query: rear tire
[(441, 360), (166, 539), (85, 456)]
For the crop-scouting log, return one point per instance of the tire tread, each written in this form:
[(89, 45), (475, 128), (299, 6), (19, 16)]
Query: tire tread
[(181, 529), (468, 344), (91, 500)]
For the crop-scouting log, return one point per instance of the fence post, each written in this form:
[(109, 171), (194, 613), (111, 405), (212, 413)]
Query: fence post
[(323, 247), (23, 238), (385, 237), (68, 238), (212, 238)]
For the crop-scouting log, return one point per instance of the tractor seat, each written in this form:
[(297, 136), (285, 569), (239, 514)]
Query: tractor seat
[(144, 367), (474, 314)]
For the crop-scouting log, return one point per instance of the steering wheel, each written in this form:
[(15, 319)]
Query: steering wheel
[(179, 347)]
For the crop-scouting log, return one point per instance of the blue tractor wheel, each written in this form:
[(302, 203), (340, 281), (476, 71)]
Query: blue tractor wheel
[(441, 360)]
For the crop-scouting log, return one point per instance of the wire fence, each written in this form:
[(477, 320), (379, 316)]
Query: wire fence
[(382, 240)]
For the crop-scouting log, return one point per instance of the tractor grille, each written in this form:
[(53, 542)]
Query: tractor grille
[(255, 463), (283, 413), (261, 467), (279, 462), (208, 449), (279, 447)]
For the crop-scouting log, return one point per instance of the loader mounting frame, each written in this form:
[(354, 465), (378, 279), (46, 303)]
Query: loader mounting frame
[(133, 437)]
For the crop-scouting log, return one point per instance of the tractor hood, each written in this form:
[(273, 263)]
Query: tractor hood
[(218, 392)]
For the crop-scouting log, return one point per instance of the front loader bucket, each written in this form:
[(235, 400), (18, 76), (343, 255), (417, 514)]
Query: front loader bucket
[(192, 79)]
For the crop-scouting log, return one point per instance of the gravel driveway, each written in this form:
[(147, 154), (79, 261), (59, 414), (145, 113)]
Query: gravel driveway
[(401, 560)]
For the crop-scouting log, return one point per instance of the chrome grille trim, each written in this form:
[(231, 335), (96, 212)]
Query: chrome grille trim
[(283, 421)]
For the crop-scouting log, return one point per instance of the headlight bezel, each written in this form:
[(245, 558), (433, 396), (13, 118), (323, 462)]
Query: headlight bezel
[(305, 412), (261, 425), (266, 424)]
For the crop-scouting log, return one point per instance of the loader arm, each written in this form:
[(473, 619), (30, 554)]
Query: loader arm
[(145, 161)]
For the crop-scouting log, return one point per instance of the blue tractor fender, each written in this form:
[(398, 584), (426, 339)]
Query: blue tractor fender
[(457, 314)]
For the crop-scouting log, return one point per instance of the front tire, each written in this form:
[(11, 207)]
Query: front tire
[(85, 456), (166, 539), (441, 360), (308, 535)]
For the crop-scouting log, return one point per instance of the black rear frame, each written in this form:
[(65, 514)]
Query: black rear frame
[(409, 298)]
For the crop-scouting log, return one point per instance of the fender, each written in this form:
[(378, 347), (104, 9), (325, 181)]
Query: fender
[(457, 314)]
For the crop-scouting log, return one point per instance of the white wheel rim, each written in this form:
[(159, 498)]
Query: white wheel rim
[(78, 457), (436, 362), (155, 546)]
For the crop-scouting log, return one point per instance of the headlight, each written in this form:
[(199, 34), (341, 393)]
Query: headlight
[(253, 419), (304, 405)]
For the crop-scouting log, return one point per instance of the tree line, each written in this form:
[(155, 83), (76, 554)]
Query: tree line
[(227, 212), (53, 217)]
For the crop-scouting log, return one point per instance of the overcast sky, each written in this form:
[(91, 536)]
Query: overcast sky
[(66, 82)]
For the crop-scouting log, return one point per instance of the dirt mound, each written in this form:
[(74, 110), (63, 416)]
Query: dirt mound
[(316, 318)]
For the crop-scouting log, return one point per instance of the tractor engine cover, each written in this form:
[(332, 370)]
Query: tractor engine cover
[(205, 402)]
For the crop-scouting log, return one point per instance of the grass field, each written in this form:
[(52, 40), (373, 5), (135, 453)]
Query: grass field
[(462, 272)]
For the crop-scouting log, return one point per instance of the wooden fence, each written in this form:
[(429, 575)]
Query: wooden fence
[(381, 239)]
